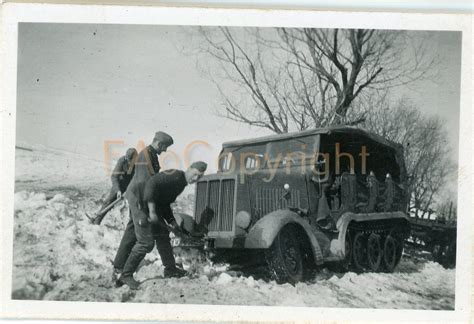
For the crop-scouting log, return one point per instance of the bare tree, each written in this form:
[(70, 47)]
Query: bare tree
[(447, 209), (352, 61), (426, 149), (294, 79), (255, 91)]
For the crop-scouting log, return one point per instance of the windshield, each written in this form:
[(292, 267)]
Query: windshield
[(297, 151)]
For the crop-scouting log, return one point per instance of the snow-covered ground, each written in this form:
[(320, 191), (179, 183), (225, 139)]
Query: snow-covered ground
[(59, 255)]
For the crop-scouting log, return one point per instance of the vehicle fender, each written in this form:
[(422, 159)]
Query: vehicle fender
[(343, 223), (264, 232)]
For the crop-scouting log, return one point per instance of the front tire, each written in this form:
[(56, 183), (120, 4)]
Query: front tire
[(285, 257)]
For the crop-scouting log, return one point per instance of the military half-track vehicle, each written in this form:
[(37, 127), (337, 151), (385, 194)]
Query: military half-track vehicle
[(332, 195)]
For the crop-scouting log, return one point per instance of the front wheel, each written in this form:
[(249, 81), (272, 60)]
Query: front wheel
[(285, 257)]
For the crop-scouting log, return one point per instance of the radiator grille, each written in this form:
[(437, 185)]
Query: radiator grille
[(201, 199), (213, 203), (218, 195), (226, 212), (270, 199)]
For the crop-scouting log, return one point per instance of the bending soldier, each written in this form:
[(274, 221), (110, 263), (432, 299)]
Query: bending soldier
[(146, 166), (121, 177), (160, 191)]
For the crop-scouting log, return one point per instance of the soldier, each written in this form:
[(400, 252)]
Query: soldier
[(160, 191), (146, 166), (121, 177)]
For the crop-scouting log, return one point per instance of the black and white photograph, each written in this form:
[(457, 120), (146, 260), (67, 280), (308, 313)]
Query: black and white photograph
[(244, 165)]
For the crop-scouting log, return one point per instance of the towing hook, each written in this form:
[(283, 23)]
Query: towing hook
[(285, 196)]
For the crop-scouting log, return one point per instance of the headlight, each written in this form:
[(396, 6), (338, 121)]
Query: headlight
[(242, 219)]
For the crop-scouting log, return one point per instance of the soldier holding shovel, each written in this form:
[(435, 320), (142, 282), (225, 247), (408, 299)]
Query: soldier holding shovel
[(154, 223), (121, 177)]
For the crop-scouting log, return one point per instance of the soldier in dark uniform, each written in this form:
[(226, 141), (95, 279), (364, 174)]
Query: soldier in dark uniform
[(121, 177), (146, 165), (160, 191)]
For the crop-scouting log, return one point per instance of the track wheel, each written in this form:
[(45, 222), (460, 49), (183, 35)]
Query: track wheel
[(400, 244), (374, 252), (359, 247), (390, 253), (285, 258)]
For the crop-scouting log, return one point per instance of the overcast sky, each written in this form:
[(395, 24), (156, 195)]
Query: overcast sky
[(81, 85)]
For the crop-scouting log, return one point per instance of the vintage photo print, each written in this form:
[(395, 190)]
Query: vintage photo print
[(189, 163)]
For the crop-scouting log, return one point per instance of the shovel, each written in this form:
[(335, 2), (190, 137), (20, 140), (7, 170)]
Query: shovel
[(101, 214)]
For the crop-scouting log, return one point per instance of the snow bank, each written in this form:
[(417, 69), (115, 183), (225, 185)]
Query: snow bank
[(224, 279), (55, 246)]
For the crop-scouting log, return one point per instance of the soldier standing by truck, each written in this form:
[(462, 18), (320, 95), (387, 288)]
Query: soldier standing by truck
[(146, 166), (161, 191), (121, 177)]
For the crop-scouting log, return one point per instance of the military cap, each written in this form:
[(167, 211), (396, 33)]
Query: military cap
[(200, 166), (131, 152), (164, 138)]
